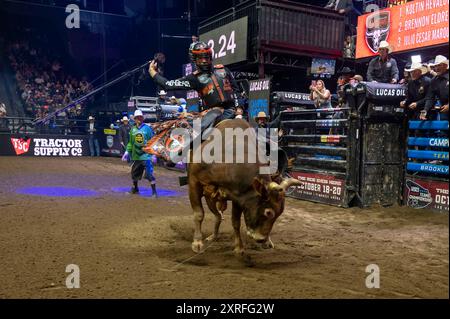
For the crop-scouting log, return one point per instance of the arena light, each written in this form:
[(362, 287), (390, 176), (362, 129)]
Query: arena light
[(416, 59), (56, 191)]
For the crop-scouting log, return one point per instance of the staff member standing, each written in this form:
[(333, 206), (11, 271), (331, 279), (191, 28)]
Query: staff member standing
[(437, 97), (383, 68), (416, 91), (124, 132), (91, 129), (140, 134)]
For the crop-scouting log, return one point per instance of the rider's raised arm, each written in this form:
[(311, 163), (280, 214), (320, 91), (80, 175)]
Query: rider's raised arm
[(184, 83)]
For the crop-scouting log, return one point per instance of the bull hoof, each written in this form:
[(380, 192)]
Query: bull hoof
[(239, 252), (197, 246), (212, 237), (268, 244)]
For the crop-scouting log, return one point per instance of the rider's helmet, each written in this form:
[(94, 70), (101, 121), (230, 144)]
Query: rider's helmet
[(201, 54)]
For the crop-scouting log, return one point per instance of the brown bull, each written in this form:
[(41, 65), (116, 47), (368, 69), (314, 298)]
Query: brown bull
[(259, 197)]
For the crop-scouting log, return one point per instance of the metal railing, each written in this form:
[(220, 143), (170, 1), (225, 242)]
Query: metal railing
[(26, 125)]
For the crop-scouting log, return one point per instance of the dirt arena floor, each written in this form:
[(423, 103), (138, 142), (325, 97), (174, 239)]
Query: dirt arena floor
[(130, 246)]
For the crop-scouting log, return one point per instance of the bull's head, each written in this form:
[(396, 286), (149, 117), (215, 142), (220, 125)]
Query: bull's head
[(264, 205)]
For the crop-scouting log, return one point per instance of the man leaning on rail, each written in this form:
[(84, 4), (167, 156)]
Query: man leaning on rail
[(383, 68)]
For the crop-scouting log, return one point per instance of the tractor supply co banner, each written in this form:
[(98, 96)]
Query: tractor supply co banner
[(423, 193), (409, 26), (318, 188), (43, 145), (259, 97)]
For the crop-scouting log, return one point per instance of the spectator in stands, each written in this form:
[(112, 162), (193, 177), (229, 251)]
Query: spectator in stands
[(162, 98), (91, 129), (345, 75), (4, 123), (356, 79), (174, 100), (320, 95), (437, 97), (349, 47), (40, 81), (341, 6), (431, 72), (383, 68), (417, 89), (406, 76)]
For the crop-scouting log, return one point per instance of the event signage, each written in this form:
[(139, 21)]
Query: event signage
[(412, 25), (426, 193), (43, 145), (319, 188), (259, 97), (228, 42)]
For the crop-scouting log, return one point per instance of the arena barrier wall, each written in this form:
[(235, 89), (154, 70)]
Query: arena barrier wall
[(40, 145), (324, 156), (426, 178), (383, 142), (347, 156)]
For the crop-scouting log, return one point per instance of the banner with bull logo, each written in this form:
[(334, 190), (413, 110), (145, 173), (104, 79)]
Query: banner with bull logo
[(409, 26)]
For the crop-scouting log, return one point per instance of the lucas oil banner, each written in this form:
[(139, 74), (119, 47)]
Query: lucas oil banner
[(259, 97), (43, 145)]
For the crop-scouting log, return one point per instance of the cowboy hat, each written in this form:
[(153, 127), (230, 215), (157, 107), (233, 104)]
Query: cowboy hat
[(125, 118), (91, 118), (385, 45), (417, 66), (357, 77), (346, 71), (138, 113), (440, 59), (162, 92), (261, 115)]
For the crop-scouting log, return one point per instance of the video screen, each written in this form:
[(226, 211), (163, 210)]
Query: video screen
[(323, 66)]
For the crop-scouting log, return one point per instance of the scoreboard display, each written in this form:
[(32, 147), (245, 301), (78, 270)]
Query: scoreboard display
[(228, 42)]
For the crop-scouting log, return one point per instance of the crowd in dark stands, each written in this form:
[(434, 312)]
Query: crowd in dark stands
[(43, 83)]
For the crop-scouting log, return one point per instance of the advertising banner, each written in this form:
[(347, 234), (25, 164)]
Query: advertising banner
[(422, 193), (43, 145), (409, 26), (319, 188), (259, 97), (110, 143)]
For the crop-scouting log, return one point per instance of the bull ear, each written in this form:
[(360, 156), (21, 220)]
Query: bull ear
[(259, 186)]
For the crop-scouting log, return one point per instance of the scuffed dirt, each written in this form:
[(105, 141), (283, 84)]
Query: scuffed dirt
[(131, 246)]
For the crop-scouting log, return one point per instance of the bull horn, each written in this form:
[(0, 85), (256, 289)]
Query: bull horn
[(285, 184)]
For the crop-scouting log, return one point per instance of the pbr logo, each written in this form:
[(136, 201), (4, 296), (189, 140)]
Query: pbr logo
[(377, 29), (418, 196), (21, 146), (110, 141), (139, 138)]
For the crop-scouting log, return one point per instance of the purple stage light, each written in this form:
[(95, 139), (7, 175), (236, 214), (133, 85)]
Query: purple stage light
[(56, 191)]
